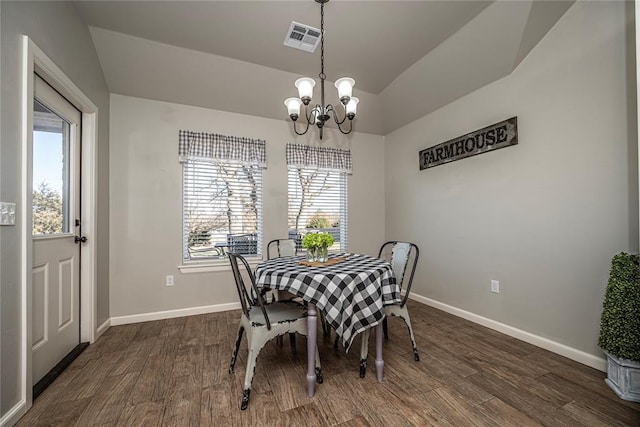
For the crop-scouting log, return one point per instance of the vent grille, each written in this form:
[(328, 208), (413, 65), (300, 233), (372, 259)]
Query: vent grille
[(302, 37)]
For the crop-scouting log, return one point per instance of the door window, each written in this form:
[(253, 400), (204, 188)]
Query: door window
[(51, 178)]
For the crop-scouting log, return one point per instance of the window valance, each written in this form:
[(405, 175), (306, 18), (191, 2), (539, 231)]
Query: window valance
[(213, 147), (319, 157)]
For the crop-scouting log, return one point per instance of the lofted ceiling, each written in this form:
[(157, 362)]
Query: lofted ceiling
[(408, 58)]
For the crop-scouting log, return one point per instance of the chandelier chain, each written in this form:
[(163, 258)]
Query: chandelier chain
[(322, 75)]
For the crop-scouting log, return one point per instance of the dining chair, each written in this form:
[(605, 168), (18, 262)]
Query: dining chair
[(275, 249), (400, 255), (289, 247), (262, 321), (281, 247)]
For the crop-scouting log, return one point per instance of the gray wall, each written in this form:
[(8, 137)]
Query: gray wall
[(543, 217), (57, 29), (146, 199)]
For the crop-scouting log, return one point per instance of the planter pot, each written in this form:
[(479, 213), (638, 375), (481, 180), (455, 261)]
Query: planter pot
[(623, 376), (311, 255), (319, 254), (322, 253)]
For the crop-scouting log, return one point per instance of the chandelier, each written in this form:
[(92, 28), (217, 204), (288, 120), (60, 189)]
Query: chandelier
[(321, 113)]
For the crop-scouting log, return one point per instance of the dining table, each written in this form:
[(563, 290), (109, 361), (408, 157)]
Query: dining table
[(349, 289)]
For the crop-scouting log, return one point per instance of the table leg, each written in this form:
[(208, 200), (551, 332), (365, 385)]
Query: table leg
[(379, 361), (311, 348)]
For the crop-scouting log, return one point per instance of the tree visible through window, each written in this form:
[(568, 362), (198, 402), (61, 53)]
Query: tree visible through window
[(47, 210)]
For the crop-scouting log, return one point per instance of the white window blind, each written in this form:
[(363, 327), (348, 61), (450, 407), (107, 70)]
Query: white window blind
[(317, 192), (222, 197)]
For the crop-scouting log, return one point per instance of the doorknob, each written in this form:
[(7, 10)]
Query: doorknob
[(82, 239)]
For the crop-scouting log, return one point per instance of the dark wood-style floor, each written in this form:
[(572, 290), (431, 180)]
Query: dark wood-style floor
[(174, 372)]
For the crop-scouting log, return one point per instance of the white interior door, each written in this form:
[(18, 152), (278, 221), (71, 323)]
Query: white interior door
[(56, 220)]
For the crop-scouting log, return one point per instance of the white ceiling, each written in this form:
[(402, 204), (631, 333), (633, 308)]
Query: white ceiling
[(408, 57)]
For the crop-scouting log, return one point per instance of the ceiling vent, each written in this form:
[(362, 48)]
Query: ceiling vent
[(302, 37)]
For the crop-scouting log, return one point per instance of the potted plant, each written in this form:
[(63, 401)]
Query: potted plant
[(317, 245), (620, 327)]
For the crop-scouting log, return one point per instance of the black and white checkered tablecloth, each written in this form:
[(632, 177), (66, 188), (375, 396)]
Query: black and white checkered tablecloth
[(351, 293)]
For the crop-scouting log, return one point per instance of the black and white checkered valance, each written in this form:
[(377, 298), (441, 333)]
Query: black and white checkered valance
[(212, 147), (319, 157)]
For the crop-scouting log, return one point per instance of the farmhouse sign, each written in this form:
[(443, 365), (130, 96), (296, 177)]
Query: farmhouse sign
[(491, 138)]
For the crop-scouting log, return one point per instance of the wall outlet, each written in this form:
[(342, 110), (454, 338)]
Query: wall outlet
[(169, 280), (495, 286)]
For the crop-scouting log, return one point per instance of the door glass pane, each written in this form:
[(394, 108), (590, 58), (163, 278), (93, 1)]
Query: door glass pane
[(51, 142)]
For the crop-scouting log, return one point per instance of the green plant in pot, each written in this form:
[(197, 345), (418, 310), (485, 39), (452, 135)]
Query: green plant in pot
[(620, 326), (317, 245)]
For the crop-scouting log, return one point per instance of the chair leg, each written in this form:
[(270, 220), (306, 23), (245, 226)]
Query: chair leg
[(292, 340), (234, 355), (335, 343), (245, 399), (326, 330), (385, 328), (254, 350), (364, 352), (407, 321), (319, 378)]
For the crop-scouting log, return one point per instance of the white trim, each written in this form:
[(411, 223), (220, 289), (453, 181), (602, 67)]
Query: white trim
[(14, 414), (637, 43), (545, 343), (34, 59), (204, 268), (170, 314), (26, 217), (213, 267), (88, 269), (103, 328)]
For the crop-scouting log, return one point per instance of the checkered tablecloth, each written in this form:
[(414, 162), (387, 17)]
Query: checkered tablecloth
[(351, 294)]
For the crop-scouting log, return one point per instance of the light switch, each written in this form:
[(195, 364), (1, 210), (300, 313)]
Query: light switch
[(7, 213)]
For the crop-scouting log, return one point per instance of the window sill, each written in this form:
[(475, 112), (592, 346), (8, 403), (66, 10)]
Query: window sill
[(213, 266)]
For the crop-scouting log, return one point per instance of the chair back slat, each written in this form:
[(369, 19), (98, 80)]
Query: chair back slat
[(251, 297), (281, 247), (399, 259)]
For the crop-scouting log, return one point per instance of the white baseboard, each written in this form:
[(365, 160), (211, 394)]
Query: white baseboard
[(103, 328), (14, 414), (553, 346), (169, 314)]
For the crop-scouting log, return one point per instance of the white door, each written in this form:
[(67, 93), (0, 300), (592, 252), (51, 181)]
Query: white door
[(56, 218)]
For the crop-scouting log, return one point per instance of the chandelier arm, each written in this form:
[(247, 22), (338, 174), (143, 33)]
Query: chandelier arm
[(295, 128), (335, 115), (350, 127)]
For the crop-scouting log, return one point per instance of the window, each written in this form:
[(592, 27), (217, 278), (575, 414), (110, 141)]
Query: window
[(222, 195), (317, 192), (52, 142)]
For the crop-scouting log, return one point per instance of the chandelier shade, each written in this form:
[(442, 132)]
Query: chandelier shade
[(319, 114), (345, 88), (305, 89), (293, 107), (351, 107)]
